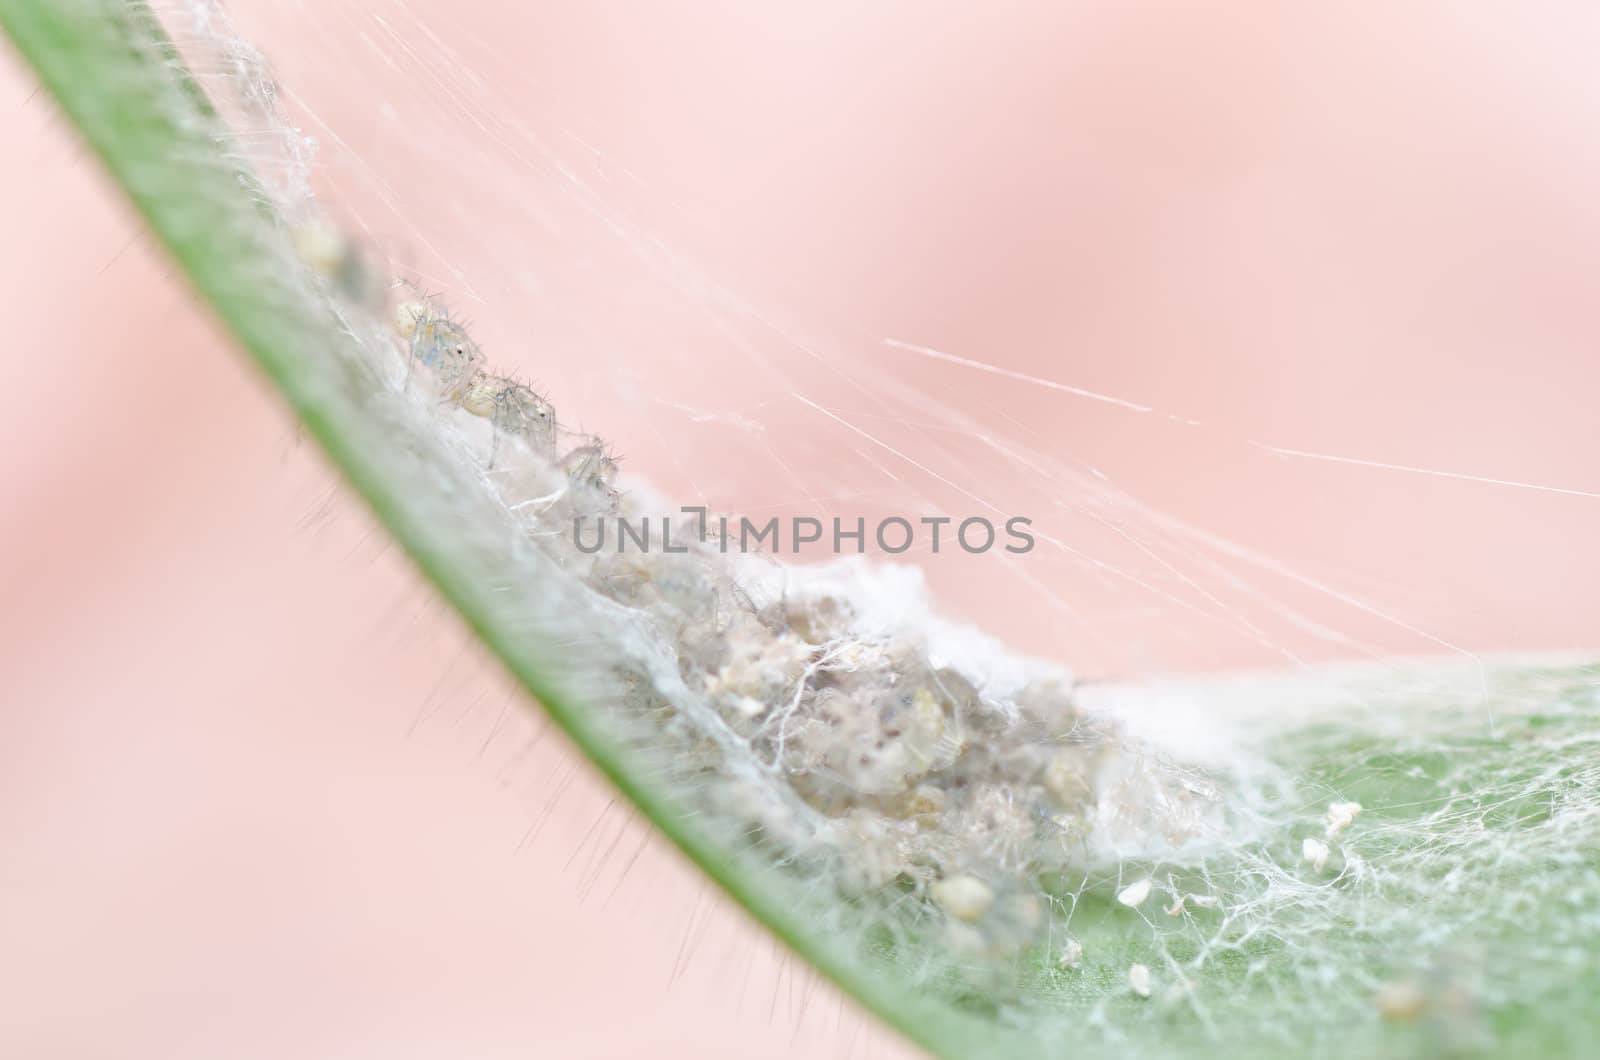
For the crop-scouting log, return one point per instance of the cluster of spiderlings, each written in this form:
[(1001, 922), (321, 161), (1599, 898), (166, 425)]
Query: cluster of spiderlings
[(834, 737), (912, 775), (946, 794), (1003, 836), (936, 793)]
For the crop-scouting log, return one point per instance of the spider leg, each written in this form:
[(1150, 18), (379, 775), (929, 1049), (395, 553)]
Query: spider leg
[(411, 362)]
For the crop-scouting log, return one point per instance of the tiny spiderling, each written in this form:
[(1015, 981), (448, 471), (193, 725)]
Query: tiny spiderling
[(443, 346), (512, 408), (591, 466), (338, 260)]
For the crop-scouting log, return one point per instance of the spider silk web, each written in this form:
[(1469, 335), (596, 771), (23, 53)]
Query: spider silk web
[(789, 264)]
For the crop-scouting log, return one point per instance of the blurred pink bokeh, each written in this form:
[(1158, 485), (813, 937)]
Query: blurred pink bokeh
[(257, 796)]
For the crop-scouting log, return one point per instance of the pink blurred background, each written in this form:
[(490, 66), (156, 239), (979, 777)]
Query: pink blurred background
[(258, 798)]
